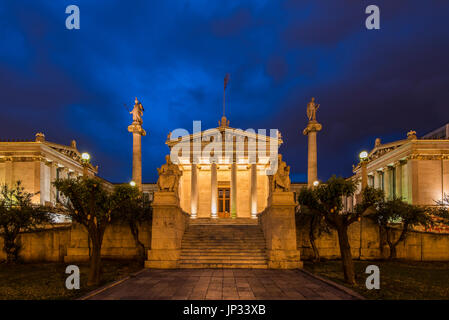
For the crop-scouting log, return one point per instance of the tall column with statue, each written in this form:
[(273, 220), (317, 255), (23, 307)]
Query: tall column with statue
[(312, 128), (136, 129)]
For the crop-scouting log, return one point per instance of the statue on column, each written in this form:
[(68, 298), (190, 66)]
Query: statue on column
[(312, 107), (169, 175), (137, 112), (281, 179)]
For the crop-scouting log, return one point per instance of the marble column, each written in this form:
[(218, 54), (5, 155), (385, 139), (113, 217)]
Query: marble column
[(387, 185), (213, 190), (312, 128), (398, 169), (254, 191), (194, 192), (376, 180), (234, 190), (364, 174), (136, 129)]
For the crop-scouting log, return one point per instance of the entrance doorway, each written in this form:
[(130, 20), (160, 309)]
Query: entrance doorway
[(224, 202)]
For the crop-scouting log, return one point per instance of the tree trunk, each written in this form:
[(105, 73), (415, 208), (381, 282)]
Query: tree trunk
[(94, 275), (11, 249), (316, 253), (139, 245), (393, 252), (346, 257)]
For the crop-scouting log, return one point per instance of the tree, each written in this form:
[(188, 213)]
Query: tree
[(400, 211), (132, 208), (89, 204), (18, 214), (316, 226), (326, 200)]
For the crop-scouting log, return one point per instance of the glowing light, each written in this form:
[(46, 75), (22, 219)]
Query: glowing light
[(316, 183), (363, 155), (132, 184), (85, 156)]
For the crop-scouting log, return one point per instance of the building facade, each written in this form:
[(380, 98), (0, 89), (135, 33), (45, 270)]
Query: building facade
[(38, 163), (416, 170), (224, 171)]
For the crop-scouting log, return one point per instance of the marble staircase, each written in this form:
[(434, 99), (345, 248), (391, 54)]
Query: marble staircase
[(223, 243)]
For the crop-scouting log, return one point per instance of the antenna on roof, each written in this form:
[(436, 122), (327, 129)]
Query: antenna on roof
[(226, 80)]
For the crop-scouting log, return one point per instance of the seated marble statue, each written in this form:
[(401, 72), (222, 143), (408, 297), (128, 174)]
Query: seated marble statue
[(169, 175), (281, 179)]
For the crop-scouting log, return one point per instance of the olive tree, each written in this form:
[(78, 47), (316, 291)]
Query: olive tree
[(399, 211), (326, 201), (87, 202), (18, 214), (132, 209)]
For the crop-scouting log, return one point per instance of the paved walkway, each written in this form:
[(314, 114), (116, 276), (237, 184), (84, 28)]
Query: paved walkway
[(217, 284)]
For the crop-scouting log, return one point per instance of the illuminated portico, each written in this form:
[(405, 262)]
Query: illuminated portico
[(225, 171)]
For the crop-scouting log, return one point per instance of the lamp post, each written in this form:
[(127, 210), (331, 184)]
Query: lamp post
[(316, 183), (85, 158), (363, 156), (132, 184)]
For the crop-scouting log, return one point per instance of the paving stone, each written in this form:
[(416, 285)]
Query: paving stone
[(227, 284)]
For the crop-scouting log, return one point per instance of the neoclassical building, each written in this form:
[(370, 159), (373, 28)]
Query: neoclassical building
[(416, 170), (228, 181), (37, 163)]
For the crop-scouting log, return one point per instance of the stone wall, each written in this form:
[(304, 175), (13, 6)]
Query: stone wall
[(69, 243), (44, 245), (365, 244)]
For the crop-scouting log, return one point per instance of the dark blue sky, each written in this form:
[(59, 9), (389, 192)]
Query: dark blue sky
[(173, 55)]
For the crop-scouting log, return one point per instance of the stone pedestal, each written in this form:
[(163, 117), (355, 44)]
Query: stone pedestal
[(312, 128), (279, 227), (169, 224)]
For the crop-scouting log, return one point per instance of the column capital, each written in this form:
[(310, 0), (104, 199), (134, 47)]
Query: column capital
[(312, 126), (135, 127)]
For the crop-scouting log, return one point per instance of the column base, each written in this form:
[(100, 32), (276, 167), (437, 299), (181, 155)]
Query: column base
[(163, 258), (284, 259)]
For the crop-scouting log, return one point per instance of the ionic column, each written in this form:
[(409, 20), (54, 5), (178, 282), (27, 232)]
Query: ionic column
[(376, 180), (234, 190), (387, 187), (213, 190), (136, 129), (312, 128), (194, 192), (398, 168), (254, 191)]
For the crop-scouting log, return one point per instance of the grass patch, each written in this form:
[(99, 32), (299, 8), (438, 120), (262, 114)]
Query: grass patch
[(408, 280), (46, 281)]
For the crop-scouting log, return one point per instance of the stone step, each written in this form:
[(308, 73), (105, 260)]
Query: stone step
[(223, 251), (218, 242), (223, 265), (248, 261), (221, 258), (223, 246), (239, 248)]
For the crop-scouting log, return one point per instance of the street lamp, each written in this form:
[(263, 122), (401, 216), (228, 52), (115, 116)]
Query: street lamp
[(85, 158), (316, 183), (132, 184), (363, 156)]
